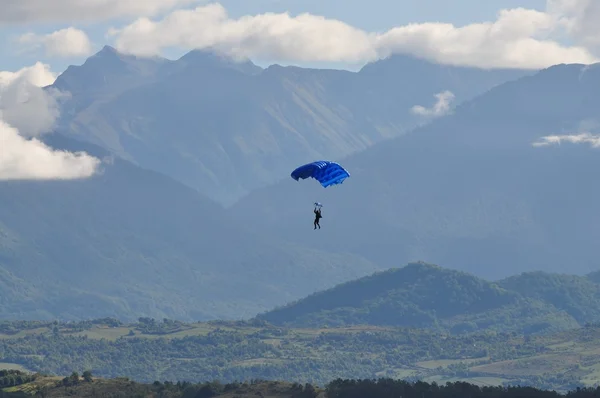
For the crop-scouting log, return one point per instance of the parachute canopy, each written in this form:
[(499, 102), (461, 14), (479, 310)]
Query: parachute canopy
[(327, 173)]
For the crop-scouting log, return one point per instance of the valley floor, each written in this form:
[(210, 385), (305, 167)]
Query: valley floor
[(228, 351)]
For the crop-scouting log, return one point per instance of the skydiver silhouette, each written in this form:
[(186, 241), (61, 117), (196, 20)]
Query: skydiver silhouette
[(318, 216)]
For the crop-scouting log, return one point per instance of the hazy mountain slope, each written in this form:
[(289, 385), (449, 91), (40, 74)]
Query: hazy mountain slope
[(388, 89), (422, 295), (108, 74), (226, 128), (469, 190), (131, 242), (101, 77)]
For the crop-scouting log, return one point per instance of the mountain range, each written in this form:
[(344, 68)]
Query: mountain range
[(226, 127), (194, 215)]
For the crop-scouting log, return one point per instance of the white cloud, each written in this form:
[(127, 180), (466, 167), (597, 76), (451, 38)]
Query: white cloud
[(580, 19), (518, 38), (63, 43), (32, 11), (23, 159), (441, 107), (24, 104), (302, 38), (507, 42), (583, 138), (26, 110)]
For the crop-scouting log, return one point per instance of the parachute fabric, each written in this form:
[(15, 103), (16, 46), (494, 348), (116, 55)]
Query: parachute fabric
[(326, 172)]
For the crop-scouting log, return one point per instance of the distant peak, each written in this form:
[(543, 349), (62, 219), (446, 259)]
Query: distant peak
[(208, 57), (204, 54), (108, 50), (212, 56)]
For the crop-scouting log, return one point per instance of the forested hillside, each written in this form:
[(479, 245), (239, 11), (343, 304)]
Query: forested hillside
[(429, 296)]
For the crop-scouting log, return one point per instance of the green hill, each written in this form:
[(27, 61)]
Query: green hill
[(577, 295), (424, 295)]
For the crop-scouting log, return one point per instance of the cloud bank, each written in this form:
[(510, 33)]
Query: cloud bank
[(519, 38), (67, 42), (26, 112), (441, 107), (67, 11)]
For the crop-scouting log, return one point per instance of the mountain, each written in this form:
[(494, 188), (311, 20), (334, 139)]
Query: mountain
[(226, 128), (131, 242), (100, 78), (421, 295), (469, 190), (110, 73)]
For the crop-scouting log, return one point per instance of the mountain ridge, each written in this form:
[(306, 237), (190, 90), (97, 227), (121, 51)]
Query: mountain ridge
[(253, 123)]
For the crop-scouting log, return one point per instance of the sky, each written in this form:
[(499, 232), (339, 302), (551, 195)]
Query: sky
[(40, 38)]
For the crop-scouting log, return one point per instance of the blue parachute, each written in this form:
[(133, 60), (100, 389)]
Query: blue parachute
[(326, 172)]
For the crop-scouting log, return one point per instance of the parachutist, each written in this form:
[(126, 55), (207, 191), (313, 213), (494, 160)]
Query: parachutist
[(327, 173), (318, 216)]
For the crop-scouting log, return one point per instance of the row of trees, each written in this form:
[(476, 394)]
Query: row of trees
[(340, 388), (389, 388)]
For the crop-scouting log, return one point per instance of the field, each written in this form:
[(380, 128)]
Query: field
[(229, 351)]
